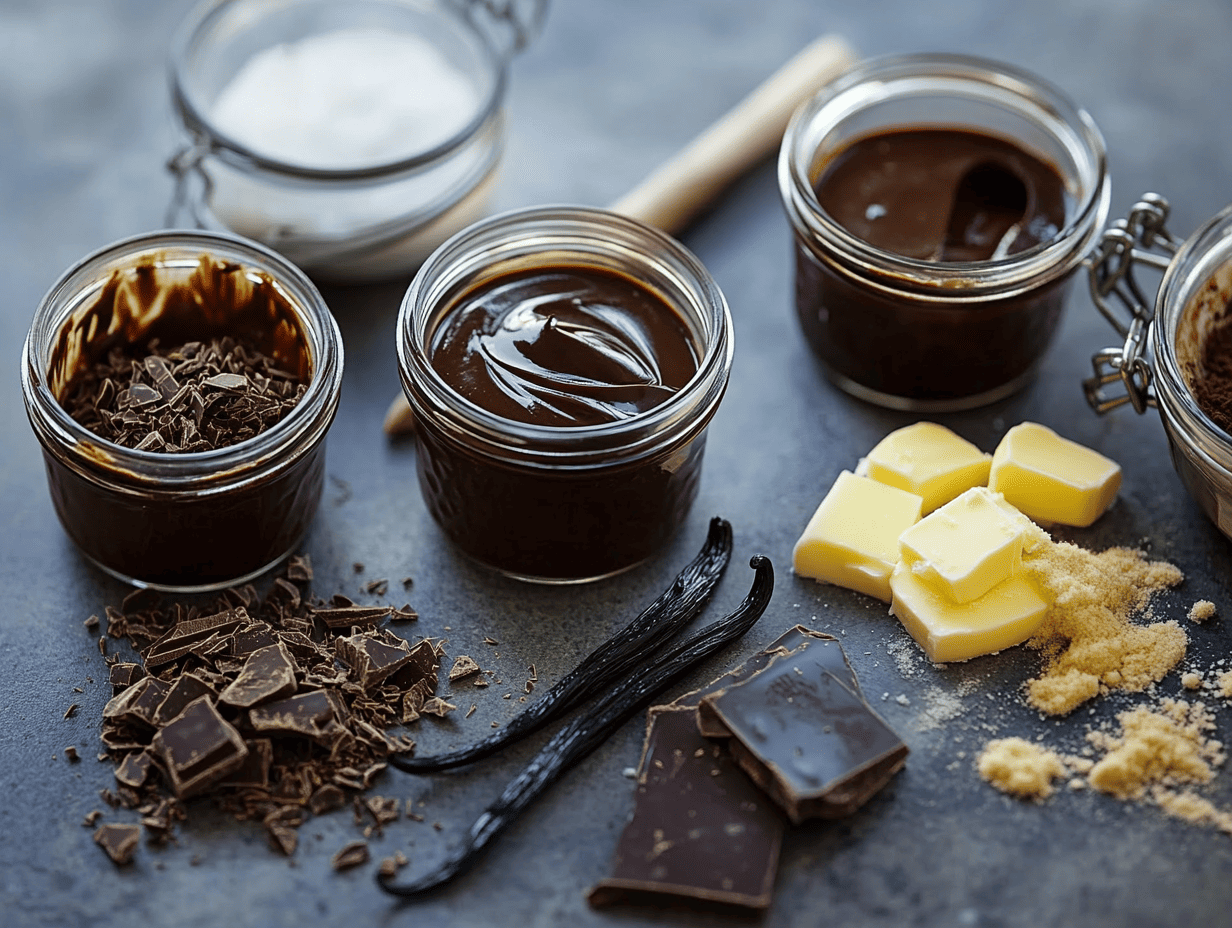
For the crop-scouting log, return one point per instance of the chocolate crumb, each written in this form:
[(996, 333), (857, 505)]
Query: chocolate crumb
[(92, 623), (119, 841), (351, 855), (376, 587), (71, 755), (91, 817), (463, 666), (70, 711)]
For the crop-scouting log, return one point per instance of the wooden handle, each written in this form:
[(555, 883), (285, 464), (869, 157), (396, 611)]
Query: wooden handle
[(684, 185)]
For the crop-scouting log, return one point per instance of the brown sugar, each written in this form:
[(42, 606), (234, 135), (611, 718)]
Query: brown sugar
[(1167, 745), (1089, 641), (1020, 767), (1202, 610)]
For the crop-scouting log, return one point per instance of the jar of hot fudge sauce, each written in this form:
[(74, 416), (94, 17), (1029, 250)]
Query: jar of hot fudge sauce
[(940, 205), (562, 365)]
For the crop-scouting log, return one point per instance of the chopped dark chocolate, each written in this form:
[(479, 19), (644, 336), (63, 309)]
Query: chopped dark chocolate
[(805, 737), (123, 675), (134, 770), (316, 715), (185, 636), (119, 841), (373, 657), (187, 688), (349, 616), (299, 569), (253, 773), (269, 673), (700, 829), (138, 703), (463, 666), (198, 748), (351, 855)]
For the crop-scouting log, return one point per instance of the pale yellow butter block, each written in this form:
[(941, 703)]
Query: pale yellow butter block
[(1053, 479), (930, 460), (852, 538), (1006, 615), (968, 546)]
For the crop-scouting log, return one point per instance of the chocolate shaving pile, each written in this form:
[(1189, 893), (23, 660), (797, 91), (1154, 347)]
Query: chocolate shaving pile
[(265, 705), (196, 397)]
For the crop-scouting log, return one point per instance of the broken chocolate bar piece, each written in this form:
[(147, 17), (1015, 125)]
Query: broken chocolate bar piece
[(123, 675), (187, 688), (134, 770), (805, 737), (374, 657), (269, 673), (254, 772), (701, 830), (119, 841), (198, 748), (316, 714), (345, 617), (136, 704), (184, 637), (827, 652)]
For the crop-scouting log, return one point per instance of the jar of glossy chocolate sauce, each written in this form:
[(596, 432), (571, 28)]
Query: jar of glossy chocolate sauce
[(562, 364), (940, 205), (199, 520)]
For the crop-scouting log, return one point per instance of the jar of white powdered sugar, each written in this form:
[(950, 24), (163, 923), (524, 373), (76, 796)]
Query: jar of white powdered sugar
[(353, 136)]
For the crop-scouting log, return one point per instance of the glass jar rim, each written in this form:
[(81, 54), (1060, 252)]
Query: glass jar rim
[(199, 471), (874, 81), (235, 152), (581, 233), (1195, 264)]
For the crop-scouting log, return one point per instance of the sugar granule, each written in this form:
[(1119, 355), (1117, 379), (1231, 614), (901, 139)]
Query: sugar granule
[(1088, 640)]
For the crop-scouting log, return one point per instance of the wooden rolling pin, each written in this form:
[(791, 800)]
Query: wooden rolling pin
[(671, 196)]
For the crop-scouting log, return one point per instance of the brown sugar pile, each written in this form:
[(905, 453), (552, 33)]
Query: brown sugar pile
[(1156, 752), (1089, 641), (1020, 767)]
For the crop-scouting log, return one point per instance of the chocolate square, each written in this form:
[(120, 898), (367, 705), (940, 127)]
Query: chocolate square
[(198, 748)]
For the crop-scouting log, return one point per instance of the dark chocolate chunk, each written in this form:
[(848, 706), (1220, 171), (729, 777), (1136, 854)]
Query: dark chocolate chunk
[(316, 714), (345, 617), (269, 673), (185, 636), (252, 637), (463, 666), (351, 855), (701, 830), (254, 772), (134, 770), (372, 657), (123, 675), (137, 704), (187, 688), (826, 653), (119, 841), (198, 748), (299, 569), (806, 738)]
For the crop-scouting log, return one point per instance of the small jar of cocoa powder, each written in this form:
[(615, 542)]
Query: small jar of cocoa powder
[(181, 385)]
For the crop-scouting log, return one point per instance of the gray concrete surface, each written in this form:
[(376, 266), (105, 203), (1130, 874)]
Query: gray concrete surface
[(610, 89)]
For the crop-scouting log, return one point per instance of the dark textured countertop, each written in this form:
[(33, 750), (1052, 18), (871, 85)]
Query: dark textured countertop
[(610, 89)]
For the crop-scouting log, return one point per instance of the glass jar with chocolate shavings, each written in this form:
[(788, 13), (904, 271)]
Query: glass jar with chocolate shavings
[(1176, 353), (181, 385)]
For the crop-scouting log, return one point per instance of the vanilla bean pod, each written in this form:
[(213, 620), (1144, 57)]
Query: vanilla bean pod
[(587, 731), (609, 663)]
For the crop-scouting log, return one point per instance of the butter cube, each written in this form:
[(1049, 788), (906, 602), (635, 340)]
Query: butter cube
[(852, 538), (1053, 479), (930, 460), (1006, 615), (968, 546)]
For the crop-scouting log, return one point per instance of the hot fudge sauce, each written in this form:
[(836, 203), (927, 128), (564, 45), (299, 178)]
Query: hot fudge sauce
[(572, 349), (564, 346)]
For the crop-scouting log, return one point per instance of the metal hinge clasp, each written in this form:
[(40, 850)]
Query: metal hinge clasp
[(1110, 271)]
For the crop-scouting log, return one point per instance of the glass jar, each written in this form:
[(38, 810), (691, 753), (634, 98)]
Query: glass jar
[(561, 503), (1194, 299), (358, 222), (194, 521), (932, 335)]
